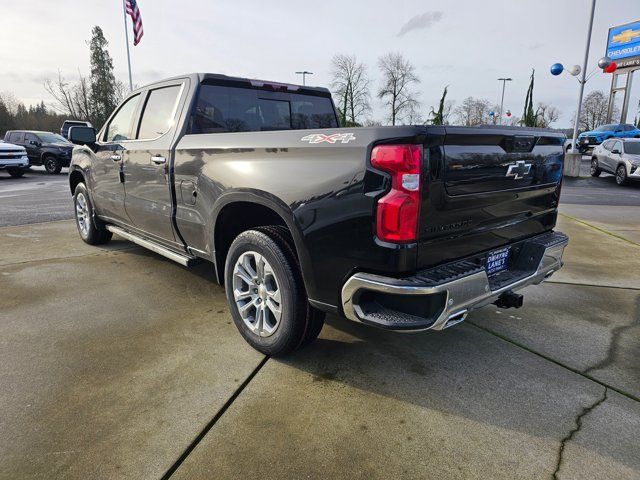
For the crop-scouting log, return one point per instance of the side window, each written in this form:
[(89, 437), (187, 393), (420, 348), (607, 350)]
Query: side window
[(617, 146), (159, 112), (629, 128), (16, 137), (119, 127), (30, 137), (607, 145)]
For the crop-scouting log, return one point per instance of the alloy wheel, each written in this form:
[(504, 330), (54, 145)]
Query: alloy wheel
[(82, 214), (257, 294)]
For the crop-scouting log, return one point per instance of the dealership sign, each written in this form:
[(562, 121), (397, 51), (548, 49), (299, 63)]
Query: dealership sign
[(623, 45)]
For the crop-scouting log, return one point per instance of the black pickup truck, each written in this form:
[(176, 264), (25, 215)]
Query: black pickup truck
[(404, 228)]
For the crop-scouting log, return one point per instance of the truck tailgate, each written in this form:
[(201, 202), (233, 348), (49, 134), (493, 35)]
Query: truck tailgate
[(487, 187)]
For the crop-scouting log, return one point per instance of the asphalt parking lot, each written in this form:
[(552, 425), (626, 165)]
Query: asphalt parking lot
[(117, 363)]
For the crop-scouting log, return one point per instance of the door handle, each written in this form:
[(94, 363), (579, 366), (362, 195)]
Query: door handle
[(158, 159), (115, 157)]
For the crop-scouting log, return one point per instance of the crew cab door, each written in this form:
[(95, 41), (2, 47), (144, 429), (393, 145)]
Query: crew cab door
[(147, 162), (107, 187), (31, 146)]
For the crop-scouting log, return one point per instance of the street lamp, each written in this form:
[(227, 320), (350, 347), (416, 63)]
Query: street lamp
[(304, 74), (504, 82)]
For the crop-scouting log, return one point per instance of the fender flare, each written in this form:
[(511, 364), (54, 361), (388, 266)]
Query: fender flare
[(283, 210)]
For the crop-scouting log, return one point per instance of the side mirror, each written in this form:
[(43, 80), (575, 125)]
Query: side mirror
[(615, 151), (34, 142), (82, 135)]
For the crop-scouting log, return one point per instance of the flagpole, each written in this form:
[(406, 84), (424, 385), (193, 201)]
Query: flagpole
[(126, 36)]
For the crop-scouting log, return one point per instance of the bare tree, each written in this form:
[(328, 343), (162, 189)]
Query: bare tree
[(396, 93), (474, 111), (351, 87), (71, 100), (546, 114), (594, 110)]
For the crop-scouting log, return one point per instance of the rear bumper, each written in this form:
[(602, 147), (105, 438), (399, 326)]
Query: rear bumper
[(443, 296)]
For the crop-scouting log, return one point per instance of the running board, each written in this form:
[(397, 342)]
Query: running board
[(180, 258)]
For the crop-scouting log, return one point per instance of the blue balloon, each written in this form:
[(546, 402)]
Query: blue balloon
[(491, 114), (556, 69)]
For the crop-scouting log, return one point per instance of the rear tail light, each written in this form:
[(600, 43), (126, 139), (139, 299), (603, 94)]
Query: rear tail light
[(397, 216)]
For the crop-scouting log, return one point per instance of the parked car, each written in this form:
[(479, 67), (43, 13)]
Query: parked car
[(64, 130), (43, 148), (618, 157), (590, 139), (403, 228), (13, 159)]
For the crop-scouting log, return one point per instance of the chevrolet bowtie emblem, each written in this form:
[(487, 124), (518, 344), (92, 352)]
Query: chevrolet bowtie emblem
[(518, 170)]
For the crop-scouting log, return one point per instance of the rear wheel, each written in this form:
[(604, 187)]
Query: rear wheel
[(266, 293), (595, 168), (91, 229), (15, 172), (621, 175), (51, 165)]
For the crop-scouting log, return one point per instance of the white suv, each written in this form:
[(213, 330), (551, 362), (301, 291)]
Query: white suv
[(14, 159), (618, 156)]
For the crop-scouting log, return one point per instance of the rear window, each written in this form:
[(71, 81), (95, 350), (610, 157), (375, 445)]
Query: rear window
[(233, 109)]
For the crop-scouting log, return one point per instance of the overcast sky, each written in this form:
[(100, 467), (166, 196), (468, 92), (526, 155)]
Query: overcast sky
[(467, 44)]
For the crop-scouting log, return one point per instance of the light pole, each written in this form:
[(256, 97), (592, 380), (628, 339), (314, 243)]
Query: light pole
[(583, 80), (304, 74), (504, 82)]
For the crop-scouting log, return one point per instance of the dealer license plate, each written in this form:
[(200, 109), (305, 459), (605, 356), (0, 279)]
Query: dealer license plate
[(497, 261)]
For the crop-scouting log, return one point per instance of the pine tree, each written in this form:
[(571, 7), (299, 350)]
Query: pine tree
[(102, 80), (529, 118), (438, 117)]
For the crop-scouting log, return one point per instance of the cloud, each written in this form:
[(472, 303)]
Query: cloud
[(420, 22)]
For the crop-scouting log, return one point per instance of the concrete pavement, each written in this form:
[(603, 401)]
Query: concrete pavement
[(116, 363), (110, 361)]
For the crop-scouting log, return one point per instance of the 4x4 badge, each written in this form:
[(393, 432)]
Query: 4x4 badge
[(336, 137), (518, 170)]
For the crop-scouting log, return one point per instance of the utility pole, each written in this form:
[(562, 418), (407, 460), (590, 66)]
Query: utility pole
[(504, 82), (583, 80), (304, 74)]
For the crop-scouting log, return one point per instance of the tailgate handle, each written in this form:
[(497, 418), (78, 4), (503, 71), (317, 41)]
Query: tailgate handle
[(158, 159)]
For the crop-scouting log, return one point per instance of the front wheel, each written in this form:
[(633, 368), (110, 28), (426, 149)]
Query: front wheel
[(266, 293), (621, 175), (595, 168), (51, 165), (15, 172), (91, 230)]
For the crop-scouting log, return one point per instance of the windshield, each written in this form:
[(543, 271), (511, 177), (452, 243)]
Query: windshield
[(632, 148), (605, 128), (47, 137)]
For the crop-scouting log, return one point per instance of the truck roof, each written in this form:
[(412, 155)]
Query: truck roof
[(199, 77)]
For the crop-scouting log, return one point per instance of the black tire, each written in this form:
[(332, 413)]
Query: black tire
[(621, 175), (294, 326), (595, 167), (90, 228), (52, 165), (15, 172), (315, 318)]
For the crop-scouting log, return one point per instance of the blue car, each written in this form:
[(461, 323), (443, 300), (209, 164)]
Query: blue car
[(587, 140)]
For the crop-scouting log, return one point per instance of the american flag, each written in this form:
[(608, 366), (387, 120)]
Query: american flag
[(136, 19)]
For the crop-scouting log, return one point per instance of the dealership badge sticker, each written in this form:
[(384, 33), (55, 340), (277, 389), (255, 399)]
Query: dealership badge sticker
[(321, 138)]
